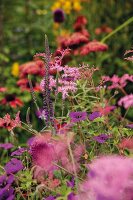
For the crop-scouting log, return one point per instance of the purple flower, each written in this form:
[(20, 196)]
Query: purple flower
[(6, 191), (94, 115), (101, 138), (71, 183), (71, 196), (50, 198), (6, 146), (59, 16), (13, 166), (130, 126), (18, 152), (78, 116)]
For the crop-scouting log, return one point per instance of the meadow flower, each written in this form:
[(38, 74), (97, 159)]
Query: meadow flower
[(130, 58), (18, 152), (126, 101), (15, 69), (6, 190), (80, 23), (6, 146), (11, 100), (126, 143), (103, 29), (3, 89), (94, 115), (59, 16), (129, 126), (114, 173), (13, 166), (78, 116), (93, 46), (101, 138), (24, 85), (71, 183)]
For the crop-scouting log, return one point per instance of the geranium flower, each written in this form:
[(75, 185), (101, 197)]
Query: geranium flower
[(78, 116), (59, 16), (13, 166), (93, 46), (11, 100), (8, 123)]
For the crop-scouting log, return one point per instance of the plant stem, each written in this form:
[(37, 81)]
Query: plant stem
[(130, 20)]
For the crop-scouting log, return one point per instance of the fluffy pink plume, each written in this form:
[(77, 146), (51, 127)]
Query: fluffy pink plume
[(109, 178)]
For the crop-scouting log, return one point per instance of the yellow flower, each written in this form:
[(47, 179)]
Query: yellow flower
[(56, 5), (77, 6), (67, 7), (64, 32), (15, 69)]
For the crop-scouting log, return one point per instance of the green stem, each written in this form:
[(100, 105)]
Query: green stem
[(130, 20)]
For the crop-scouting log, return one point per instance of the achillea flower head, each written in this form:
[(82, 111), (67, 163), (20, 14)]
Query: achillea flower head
[(103, 29), (78, 116), (114, 173), (59, 16), (93, 46), (126, 101), (101, 138), (94, 115), (13, 166)]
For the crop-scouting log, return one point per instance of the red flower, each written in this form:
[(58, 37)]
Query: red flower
[(103, 29), (75, 40), (93, 46), (11, 100), (24, 85), (3, 89), (80, 22), (8, 123), (126, 143)]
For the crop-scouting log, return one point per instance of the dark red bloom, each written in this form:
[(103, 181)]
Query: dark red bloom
[(24, 85), (103, 29), (11, 100), (80, 23)]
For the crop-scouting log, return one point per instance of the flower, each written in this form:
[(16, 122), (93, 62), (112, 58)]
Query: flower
[(114, 173), (71, 183), (78, 116), (13, 166), (8, 123), (18, 152), (93, 46), (80, 23), (103, 29), (6, 190), (130, 58), (126, 101), (130, 126), (3, 89), (6, 146), (15, 69), (126, 143), (94, 115), (59, 16), (12, 101), (101, 138)]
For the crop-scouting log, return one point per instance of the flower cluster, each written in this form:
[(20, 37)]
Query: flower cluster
[(67, 5), (79, 41)]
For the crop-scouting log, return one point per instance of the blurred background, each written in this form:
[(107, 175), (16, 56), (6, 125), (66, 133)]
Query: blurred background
[(23, 24)]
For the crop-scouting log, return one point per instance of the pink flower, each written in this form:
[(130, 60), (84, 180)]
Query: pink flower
[(93, 46), (109, 178), (130, 58), (8, 123), (126, 101)]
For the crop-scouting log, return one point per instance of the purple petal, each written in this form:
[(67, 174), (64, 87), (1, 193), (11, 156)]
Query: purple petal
[(94, 115), (6, 146), (130, 126), (13, 166), (18, 152)]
